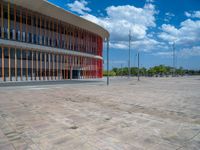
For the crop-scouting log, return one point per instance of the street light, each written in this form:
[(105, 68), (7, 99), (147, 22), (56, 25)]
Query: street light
[(129, 61), (138, 66), (174, 53), (108, 62)]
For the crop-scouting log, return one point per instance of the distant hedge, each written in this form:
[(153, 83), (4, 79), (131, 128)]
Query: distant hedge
[(160, 70)]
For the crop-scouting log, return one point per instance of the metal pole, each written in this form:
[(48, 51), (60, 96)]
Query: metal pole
[(138, 66), (135, 60), (173, 46), (108, 61), (129, 61), (121, 71)]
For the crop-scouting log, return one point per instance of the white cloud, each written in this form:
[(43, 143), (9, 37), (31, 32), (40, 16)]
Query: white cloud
[(187, 52), (186, 38), (113, 62), (149, 1), (170, 33), (193, 14), (163, 54), (188, 33), (119, 45), (145, 45), (120, 19), (168, 16), (79, 6), (187, 14), (182, 53)]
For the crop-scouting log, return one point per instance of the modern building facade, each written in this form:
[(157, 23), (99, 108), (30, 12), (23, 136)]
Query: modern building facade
[(40, 41)]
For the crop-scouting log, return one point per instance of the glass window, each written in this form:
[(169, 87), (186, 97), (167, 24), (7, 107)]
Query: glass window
[(12, 34), (29, 20), (47, 65), (18, 63), (46, 41), (18, 15), (47, 25), (24, 63), (43, 64), (43, 57), (47, 57), (51, 26), (34, 39), (12, 59), (23, 17), (38, 56), (23, 36), (0, 12), (34, 21), (34, 65), (5, 11), (42, 23), (18, 35), (12, 53), (50, 42), (6, 67), (51, 65), (24, 55), (29, 64), (42, 40), (55, 27), (29, 37), (38, 39), (5, 33), (29, 55), (38, 23), (12, 13), (55, 65)]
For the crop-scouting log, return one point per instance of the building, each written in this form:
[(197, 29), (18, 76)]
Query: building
[(40, 41)]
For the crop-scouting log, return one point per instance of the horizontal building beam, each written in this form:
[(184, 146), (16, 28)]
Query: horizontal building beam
[(17, 44)]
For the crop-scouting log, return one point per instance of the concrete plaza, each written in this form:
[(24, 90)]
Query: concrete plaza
[(153, 114)]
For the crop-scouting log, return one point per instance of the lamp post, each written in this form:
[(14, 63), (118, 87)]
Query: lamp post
[(129, 60), (138, 66), (108, 80), (174, 67)]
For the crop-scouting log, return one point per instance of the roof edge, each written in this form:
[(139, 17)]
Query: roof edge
[(75, 15), (47, 8)]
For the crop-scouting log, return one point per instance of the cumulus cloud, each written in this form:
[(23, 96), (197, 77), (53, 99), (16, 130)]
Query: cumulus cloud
[(79, 6), (120, 19), (188, 33), (192, 14)]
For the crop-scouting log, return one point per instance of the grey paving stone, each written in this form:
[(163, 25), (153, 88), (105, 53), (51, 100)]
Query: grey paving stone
[(154, 114)]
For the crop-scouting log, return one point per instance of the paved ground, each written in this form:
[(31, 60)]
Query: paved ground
[(41, 83), (154, 114)]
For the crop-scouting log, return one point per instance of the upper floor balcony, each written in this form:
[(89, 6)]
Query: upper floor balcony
[(21, 24)]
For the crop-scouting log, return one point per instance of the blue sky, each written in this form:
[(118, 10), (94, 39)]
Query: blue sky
[(154, 25)]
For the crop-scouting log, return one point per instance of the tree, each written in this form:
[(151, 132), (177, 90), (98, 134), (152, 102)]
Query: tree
[(160, 70)]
